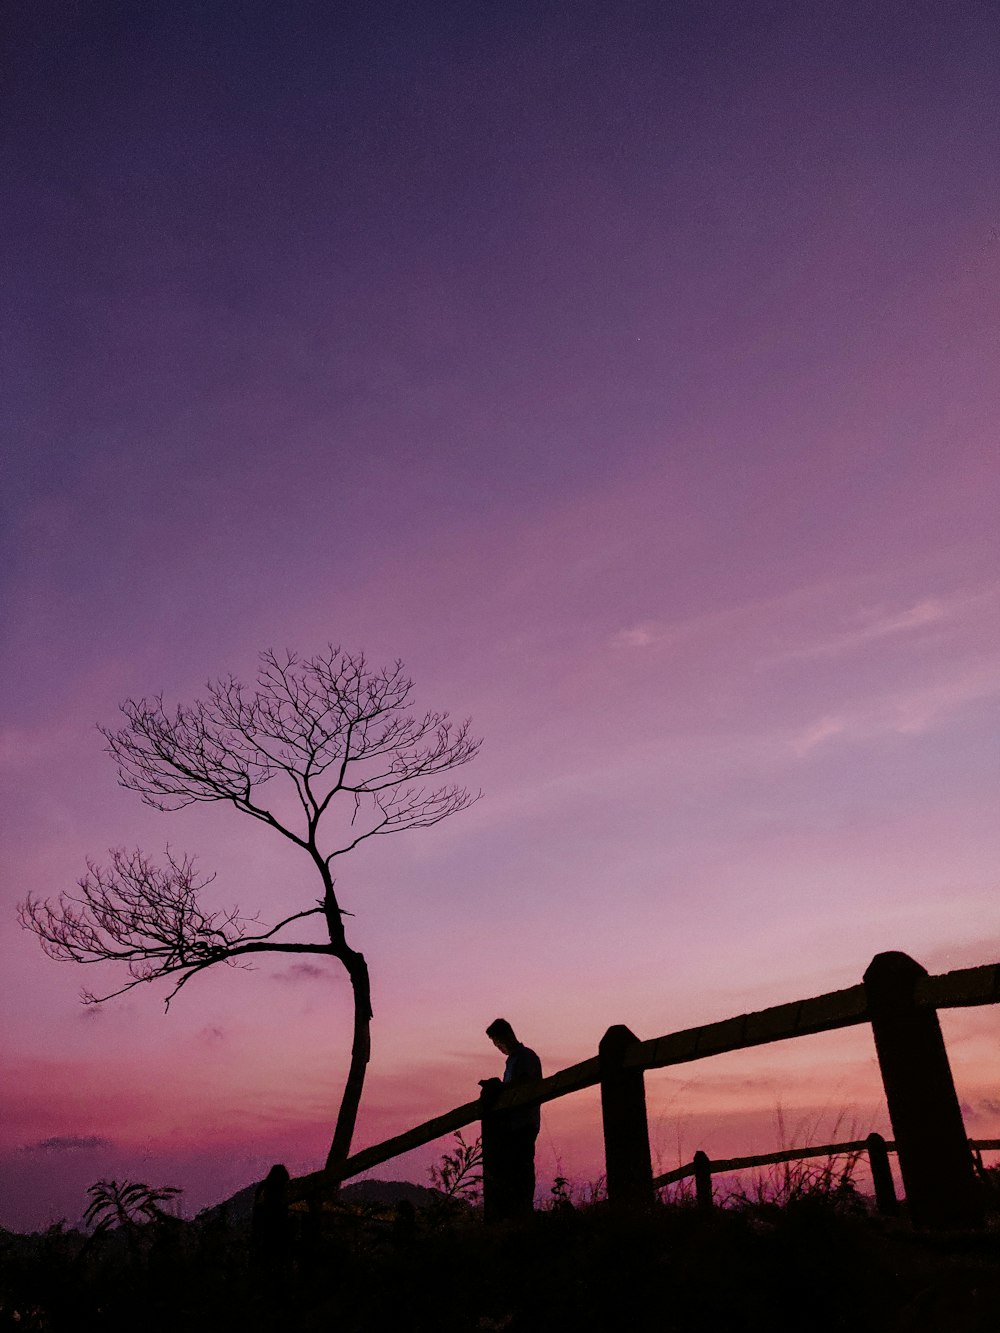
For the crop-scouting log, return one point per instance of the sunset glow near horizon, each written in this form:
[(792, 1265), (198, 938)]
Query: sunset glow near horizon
[(630, 372)]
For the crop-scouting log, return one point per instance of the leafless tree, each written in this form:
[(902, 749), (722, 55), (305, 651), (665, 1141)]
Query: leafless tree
[(353, 764)]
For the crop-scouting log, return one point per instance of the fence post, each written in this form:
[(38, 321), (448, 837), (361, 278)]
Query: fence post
[(885, 1190), (702, 1179), (623, 1112), (934, 1156), (496, 1187)]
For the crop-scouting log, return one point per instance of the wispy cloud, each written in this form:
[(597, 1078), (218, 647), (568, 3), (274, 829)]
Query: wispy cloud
[(811, 622), (640, 636), (305, 972), (817, 733), (905, 713), (874, 626), (877, 624), (916, 710), (68, 1143)]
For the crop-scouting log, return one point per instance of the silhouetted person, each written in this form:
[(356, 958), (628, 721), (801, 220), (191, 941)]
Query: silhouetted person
[(269, 1238), (511, 1181)]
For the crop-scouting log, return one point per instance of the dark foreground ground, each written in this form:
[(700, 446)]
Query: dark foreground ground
[(812, 1265)]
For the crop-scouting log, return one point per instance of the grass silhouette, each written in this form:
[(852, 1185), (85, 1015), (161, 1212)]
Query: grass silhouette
[(809, 1257)]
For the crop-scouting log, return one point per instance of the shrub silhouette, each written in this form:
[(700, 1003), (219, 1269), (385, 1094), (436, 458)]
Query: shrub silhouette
[(126, 1205)]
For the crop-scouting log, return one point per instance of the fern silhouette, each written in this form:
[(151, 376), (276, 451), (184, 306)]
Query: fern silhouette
[(124, 1206)]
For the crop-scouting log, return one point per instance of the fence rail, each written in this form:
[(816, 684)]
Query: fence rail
[(703, 1168), (897, 997), (722, 1165)]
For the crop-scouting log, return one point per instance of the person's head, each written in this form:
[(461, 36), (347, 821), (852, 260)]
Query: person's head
[(501, 1034)]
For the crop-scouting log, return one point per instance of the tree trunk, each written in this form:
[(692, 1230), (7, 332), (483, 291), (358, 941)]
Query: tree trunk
[(340, 1148)]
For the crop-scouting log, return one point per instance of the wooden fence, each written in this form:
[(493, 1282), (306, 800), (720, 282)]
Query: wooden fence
[(897, 997), (703, 1168)]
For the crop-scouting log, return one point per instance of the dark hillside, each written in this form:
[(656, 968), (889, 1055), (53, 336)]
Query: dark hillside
[(814, 1265)]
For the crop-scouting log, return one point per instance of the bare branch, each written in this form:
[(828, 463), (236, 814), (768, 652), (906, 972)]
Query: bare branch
[(328, 724), (149, 918), (412, 807)]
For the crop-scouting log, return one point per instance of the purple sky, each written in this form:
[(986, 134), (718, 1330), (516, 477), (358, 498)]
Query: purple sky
[(628, 370)]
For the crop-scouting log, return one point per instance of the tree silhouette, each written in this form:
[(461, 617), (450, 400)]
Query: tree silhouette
[(353, 765)]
